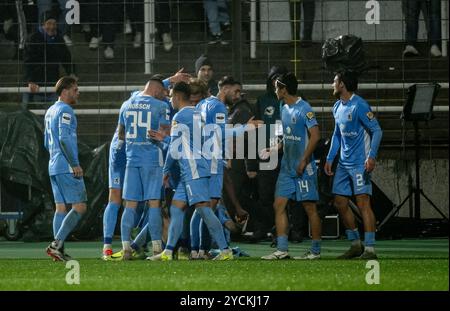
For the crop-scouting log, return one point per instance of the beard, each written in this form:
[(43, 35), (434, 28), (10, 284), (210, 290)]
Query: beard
[(228, 101), (337, 94)]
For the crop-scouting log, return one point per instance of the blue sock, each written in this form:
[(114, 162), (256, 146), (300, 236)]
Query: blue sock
[(141, 216), (109, 221), (57, 221), (140, 239), (175, 227), (205, 237), (282, 243), (195, 231), (315, 246), (352, 234), (369, 239), (127, 223), (69, 223), (214, 226), (227, 235), (155, 223)]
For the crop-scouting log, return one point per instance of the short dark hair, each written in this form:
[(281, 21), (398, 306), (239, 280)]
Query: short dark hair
[(157, 78), (183, 89), (288, 81), (349, 78), (64, 83), (198, 86), (228, 80)]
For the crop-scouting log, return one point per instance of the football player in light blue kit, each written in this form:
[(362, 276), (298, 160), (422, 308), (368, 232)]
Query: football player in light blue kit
[(161, 137), (116, 174), (358, 135), (297, 179), (193, 189), (143, 173), (66, 174)]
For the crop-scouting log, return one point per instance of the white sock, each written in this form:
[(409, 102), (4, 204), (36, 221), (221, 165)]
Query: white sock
[(168, 252), (107, 246), (157, 246), (369, 249), (356, 242), (126, 245)]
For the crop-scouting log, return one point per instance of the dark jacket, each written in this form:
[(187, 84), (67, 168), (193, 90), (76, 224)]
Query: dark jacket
[(213, 87), (43, 55), (240, 113), (268, 110)]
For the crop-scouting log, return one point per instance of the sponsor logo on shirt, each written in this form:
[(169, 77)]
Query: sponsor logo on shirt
[(293, 137), (66, 118), (349, 134), (220, 118)]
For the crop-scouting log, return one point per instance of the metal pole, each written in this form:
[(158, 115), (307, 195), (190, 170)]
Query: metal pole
[(417, 158), (444, 26), (149, 35), (253, 29), (236, 39)]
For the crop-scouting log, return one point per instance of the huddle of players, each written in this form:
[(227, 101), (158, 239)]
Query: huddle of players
[(144, 159)]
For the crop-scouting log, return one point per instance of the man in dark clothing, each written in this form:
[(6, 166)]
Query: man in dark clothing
[(267, 110), (44, 53), (204, 72)]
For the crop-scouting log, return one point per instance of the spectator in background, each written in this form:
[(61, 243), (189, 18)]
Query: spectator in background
[(163, 18), (13, 19), (44, 53), (204, 71), (135, 12), (431, 10), (218, 18), (104, 18), (308, 20), (63, 28), (267, 110)]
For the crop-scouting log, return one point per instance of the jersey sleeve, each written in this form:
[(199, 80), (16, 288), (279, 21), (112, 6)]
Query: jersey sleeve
[(309, 117), (122, 115), (164, 114), (67, 136), (370, 123), (174, 135)]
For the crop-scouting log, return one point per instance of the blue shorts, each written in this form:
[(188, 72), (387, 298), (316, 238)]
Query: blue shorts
[(142, 183), (68, 189), (352, 180), (193, 191), (215, 186), (116, 176), (298, 188), (222, 214)]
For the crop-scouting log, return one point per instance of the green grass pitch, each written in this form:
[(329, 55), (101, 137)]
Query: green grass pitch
[(403, 265)]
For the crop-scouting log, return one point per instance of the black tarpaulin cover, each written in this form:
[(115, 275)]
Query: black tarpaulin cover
[(24, 164)]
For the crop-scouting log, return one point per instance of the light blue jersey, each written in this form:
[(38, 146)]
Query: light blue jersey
[(139, 115), (296, 120), (213, 111), (356, 132), (61, 138), (185, 146), (117, 157)]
